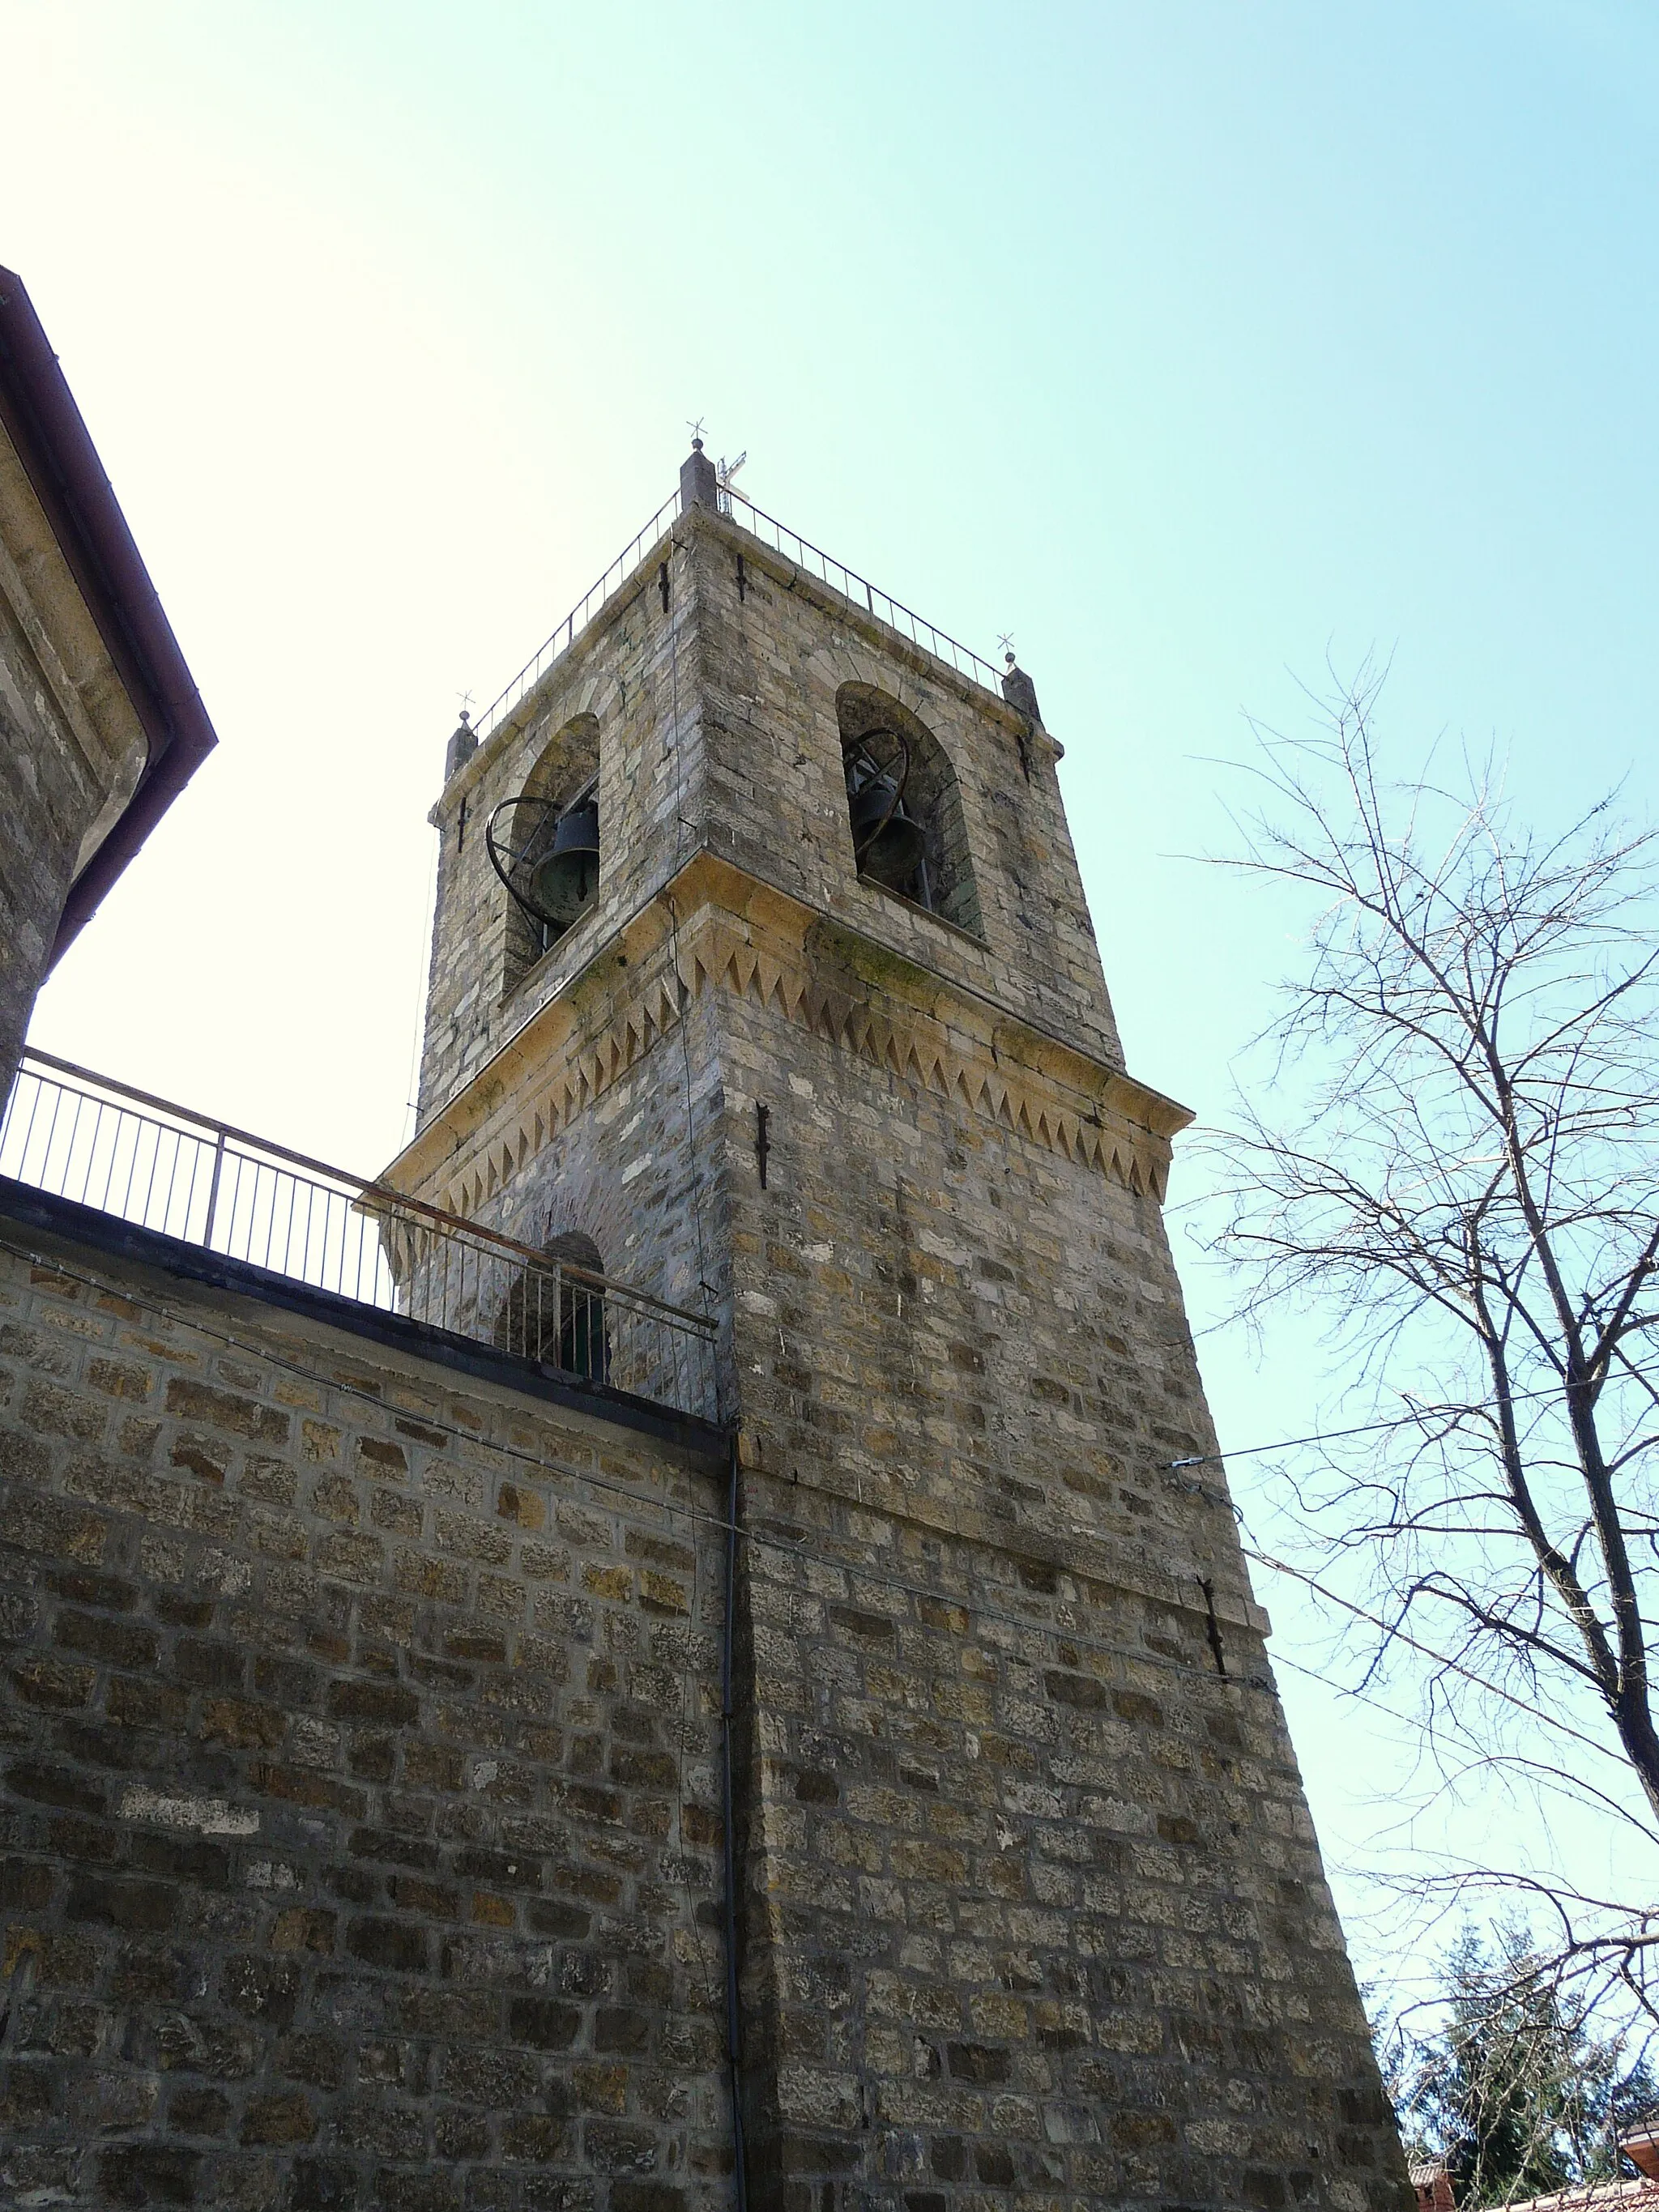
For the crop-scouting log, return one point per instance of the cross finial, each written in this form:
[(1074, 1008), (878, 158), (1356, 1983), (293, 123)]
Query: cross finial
[(465, 698), (695, 429), (1006, 640)]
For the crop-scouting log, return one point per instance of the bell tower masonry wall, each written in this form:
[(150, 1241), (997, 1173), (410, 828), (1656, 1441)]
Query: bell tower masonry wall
[(1031, 1913), (777, 646), (633, 675)]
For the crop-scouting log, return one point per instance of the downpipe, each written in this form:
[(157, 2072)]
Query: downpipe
[(728, 1824)]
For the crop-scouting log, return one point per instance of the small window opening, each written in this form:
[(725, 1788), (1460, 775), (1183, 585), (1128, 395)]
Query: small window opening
[(555, 1312), (543, 843), (547, 853), (903, 807), (890, 845)]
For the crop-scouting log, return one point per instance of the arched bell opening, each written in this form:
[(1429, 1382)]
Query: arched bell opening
[(903, 807), (555, 1313), (543, 843)]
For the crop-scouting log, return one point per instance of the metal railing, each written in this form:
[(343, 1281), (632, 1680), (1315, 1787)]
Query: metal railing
[(856, 589), (580, 616), (102, 1144), (860, 592)]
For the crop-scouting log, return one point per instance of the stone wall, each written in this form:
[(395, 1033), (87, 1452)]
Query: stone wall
[(357, 1775), (775, 656), (633, 1172), (1042, 1921), (1033, 1910), (1033, 1915), (1036, 1913), (690, 699), (70, 746), (938, 1316), (635, 662)]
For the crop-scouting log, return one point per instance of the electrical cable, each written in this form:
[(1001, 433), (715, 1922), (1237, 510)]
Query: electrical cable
[(734, 1530), (694, 1179), (1362, 1429), (429, 914), (1399, 1636), (687, 1675), (718, 1522)]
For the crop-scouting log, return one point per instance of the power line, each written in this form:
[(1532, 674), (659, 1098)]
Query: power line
[(798, 1549), (693, 1176), (1469, 1747), (1362, 1429), (719, 1524), (1360, 1698), (1399, 1636)]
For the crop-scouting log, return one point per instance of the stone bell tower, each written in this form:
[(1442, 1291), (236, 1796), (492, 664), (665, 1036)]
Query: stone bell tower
[(1030, 1909)]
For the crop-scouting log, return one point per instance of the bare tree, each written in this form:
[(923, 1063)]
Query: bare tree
[(1465, 1187)]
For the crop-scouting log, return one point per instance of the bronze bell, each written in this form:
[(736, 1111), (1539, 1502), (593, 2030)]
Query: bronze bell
[(563, 883), (887, 838)]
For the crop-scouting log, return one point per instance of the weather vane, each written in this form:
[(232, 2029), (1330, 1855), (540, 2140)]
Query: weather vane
[(465, 698), (695, 429), (1006, 640)]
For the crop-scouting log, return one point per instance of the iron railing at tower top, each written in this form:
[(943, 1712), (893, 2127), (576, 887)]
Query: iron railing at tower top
[(856, 590), (580, 616), (165, 1167), (860, 592)]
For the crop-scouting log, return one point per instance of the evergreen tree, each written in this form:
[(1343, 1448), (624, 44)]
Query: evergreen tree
[(1515, 2091)]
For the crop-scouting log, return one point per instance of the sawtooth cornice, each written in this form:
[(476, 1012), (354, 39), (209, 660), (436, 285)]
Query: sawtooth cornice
[(715, 927)]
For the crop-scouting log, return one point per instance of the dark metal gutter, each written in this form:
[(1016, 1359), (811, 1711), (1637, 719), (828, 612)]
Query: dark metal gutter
[(729, 1905), (40, 416), (111, 1238)]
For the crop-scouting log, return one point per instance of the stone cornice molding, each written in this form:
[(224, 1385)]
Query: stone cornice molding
[(715, 927)]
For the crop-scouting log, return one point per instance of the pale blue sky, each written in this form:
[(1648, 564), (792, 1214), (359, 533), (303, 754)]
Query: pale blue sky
[(1190, 342)]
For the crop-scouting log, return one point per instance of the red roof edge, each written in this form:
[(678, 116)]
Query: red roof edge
[(61, 462)]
